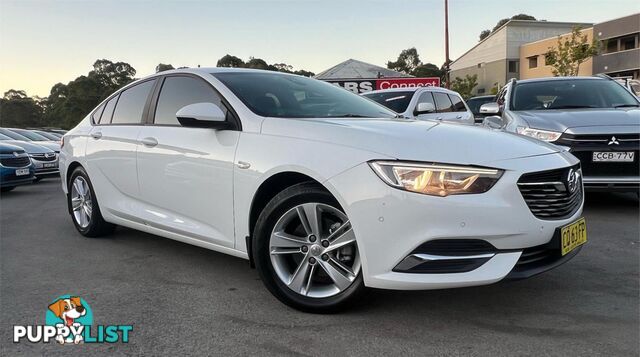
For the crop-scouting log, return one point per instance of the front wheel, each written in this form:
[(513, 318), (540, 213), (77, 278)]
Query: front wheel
[(305, 250)]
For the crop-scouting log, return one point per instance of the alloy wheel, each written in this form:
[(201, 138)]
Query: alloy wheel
[(81, 203), (313, 250)]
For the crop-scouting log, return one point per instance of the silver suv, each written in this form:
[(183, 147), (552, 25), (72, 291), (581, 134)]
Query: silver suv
[(595, 118)]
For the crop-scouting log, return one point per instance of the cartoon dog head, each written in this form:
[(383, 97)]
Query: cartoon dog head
[(68, 309)]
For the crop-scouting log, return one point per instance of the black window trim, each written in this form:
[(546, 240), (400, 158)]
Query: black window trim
[(150, 118), (117, 94)]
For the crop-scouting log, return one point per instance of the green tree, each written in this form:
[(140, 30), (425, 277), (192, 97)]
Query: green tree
[(19, 110), (427, 70), (570, 53), (484, 34), (407, 61), (258, 63), (465, 86), (161, 67), (230, 61)]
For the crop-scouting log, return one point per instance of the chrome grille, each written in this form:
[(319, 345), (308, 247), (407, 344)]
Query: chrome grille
[(21, 161), (548, 194), (44, 157)]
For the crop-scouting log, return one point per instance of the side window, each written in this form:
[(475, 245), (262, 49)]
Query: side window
[(95, 117), (458, 104), (426, 97), (108, 111), (131, 104), (443, 104), (501, 96), (178, 92)]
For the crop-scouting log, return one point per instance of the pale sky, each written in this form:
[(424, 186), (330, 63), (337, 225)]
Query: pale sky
[(45, 42)]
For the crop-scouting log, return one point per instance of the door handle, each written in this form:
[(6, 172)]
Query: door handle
[(459, 117), (149, 142), (439, 118), (97, 135)]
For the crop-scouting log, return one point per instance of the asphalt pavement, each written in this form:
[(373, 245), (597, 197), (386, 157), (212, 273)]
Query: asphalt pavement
[(183, 299)]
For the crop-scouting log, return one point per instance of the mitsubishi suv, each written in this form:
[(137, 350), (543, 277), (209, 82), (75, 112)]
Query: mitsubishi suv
[(595, 118)]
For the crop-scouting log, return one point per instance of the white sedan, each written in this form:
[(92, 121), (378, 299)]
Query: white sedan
[(324, 191)]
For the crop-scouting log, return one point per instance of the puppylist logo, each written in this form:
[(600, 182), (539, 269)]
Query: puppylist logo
[(69, 320)]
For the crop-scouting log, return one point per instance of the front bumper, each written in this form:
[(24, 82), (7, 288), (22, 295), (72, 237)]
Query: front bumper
[(8, 177), (46, 168), (612, 183), (390, 224)]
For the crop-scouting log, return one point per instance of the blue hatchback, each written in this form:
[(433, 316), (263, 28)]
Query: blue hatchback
[(16, 167)]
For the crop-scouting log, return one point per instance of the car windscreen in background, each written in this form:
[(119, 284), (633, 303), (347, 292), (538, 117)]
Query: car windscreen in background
[(396, 101), (289, 96), (571, 94)]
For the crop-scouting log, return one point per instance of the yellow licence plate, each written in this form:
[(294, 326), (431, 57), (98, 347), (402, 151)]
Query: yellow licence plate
[(573, 235)]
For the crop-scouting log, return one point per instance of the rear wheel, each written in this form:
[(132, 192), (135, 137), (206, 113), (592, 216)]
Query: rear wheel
[(306, 251), (84, 208)]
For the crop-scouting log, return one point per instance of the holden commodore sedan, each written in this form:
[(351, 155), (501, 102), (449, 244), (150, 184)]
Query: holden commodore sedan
[(323, 191)]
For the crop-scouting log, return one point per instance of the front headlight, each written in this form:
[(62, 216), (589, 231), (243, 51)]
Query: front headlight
[(543, 135), (436, 179)]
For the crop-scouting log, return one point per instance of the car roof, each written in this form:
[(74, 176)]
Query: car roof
[(414, 89), (482, 97), (546, 79)]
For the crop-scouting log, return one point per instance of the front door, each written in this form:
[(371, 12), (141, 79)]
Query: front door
[(186, 174)]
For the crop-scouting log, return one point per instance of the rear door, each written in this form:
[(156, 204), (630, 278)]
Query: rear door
[(185, 173), (111, 148), (460, 111)]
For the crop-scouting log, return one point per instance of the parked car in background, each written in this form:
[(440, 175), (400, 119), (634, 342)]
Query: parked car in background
[(26, 135), (326, 192), (424, 103), (596, 118), (45, 160), (47, 134), (474, 104), (633, 85), (15, 167)]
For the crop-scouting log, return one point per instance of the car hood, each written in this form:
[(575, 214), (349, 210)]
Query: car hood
[(9, 148), (416, 140), (561, 120), (29, 147)]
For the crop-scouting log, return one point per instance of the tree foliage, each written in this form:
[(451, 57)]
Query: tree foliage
[(465, 86), (409, 62), (485, 33), (19, 110), (570, 52), (258, 63), (161, 67)]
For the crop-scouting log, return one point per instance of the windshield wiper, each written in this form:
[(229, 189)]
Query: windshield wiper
[(349, 115), (626, 105), (572, 107)]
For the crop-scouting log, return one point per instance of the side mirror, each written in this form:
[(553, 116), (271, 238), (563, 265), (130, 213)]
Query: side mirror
[(425, 108), (493, 122), (490, 108), (203, 115)]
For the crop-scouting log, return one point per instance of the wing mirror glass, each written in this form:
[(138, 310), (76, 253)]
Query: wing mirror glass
[(425, 108), (203, 115), (490, 108), (493, 122)]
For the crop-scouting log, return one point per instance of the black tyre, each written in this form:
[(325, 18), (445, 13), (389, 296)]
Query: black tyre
[(83, 206), (305, 250), (7, 188)]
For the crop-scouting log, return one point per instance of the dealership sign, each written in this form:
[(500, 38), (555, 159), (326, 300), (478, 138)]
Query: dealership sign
[(367, 85)]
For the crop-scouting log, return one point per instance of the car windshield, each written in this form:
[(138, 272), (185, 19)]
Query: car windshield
[(396, 101), (14, 136), (49, 136), (4, 137), (288, 96), (475, 103), (31, 135), (571, 94)]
